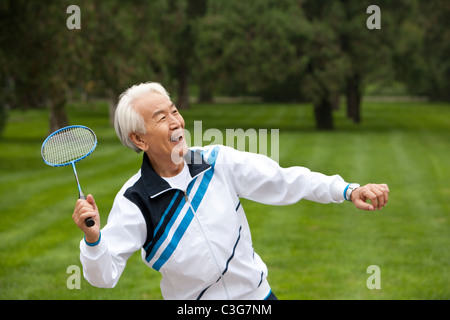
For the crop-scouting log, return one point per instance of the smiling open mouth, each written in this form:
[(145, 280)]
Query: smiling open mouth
[(176, 136)]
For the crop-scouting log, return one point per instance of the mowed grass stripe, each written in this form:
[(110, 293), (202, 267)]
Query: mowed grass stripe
[(50, 201), (61, 184)]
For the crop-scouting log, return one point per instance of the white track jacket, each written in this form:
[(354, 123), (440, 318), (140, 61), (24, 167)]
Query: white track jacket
[(199, 238)]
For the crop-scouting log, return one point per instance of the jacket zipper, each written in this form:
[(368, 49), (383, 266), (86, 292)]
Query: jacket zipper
[(186, 198), (216, 262)]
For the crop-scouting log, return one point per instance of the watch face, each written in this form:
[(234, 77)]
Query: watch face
[(350, 189)]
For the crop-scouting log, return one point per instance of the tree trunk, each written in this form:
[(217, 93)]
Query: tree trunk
[(353, 93), (324, 114), (205, 95), (3, 115), (111, 106), (58, 115), (335, 101), (183, 86)]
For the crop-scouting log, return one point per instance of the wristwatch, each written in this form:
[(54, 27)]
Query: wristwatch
[(349, 189)]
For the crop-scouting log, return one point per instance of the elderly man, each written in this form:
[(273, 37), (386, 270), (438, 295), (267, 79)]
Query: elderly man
[(182, 209)]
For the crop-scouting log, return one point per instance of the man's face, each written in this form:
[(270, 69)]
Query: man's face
[(164, 139)]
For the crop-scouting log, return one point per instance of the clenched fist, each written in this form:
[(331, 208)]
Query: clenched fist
[(378, 195), (83, 210)]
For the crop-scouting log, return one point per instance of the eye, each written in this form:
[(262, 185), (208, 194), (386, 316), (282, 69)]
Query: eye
[(175, 111)]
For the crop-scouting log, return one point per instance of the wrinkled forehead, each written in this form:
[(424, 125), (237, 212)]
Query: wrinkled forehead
[(149, 103)]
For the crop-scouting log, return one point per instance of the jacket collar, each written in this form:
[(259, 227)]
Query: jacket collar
[(154, 184)]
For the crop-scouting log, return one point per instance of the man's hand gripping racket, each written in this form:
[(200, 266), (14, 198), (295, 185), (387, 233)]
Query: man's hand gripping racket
[(67, 146)]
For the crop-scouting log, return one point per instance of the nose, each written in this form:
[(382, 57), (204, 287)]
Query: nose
[(175, 122)]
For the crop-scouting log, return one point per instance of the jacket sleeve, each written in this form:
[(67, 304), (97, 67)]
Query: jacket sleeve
[(123, 234), (257, 177)]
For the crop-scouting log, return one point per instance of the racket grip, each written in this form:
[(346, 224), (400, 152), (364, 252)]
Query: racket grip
[(89, 221)]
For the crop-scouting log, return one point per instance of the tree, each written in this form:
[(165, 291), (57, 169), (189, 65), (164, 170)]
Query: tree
[(326, 72), (422, 50), (363, 54), (250, 47), (39, 49), (117, 46), (368, 50), (327, 64), (178, 40), (436, 20), (122, 44)]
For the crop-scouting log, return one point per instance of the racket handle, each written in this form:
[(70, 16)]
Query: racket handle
[(89, 221)]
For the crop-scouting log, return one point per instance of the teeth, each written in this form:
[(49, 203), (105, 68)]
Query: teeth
[(176, 138)]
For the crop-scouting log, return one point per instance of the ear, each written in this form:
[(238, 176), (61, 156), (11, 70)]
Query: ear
[(138, 141)]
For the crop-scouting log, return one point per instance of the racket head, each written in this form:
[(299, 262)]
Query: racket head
[(68, 145)]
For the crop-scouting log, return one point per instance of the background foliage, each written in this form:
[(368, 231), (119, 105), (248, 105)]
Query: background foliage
[(294, 50)]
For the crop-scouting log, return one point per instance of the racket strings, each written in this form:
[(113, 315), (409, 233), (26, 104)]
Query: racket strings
[(68, 145)]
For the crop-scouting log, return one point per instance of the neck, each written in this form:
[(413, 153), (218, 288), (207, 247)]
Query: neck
[(165, 168)]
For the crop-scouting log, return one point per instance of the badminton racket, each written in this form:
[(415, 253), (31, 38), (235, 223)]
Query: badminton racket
[(65, 147)]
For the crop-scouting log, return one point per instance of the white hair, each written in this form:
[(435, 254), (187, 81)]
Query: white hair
[(126, 119)]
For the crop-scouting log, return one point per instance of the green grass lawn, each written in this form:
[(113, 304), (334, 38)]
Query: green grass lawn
[(313, 251)]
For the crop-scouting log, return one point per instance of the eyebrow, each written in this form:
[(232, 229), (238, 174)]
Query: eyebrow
[(159, 111)]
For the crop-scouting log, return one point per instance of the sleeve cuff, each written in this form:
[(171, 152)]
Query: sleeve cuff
[(93, 244), (338, 190)]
